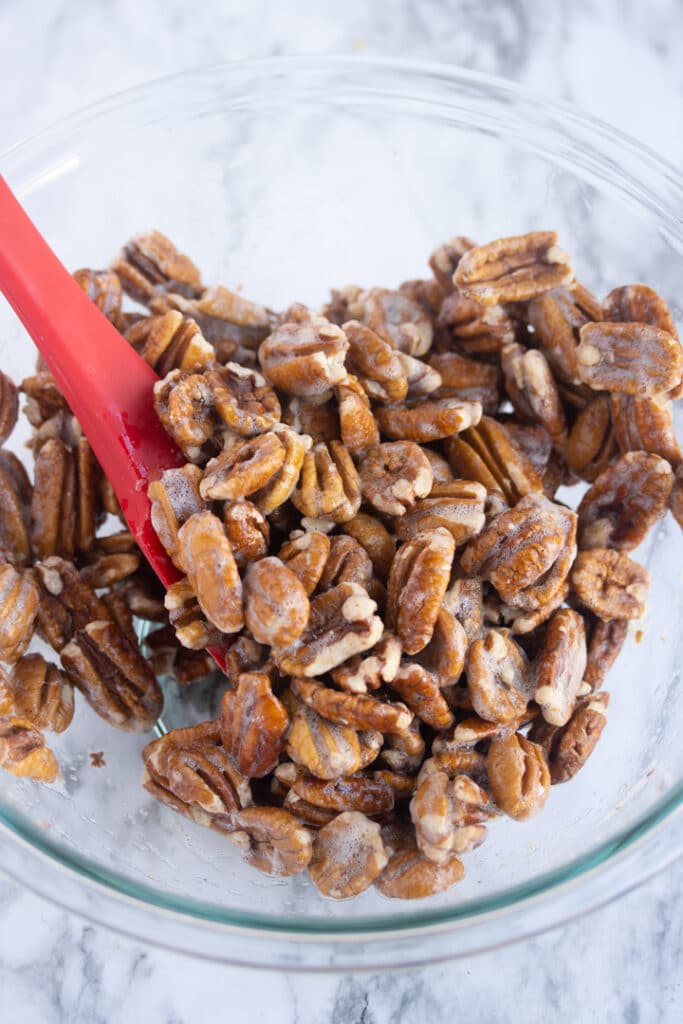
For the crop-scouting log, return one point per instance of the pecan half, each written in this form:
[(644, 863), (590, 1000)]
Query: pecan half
[(556, 318), (53, 505), (19, 603), (427, 420), (273, 840), (633, 359), (444, 656), (417, 584), (184, 405), (15, 544), (368, 671), (372, 535), (206, 556), (610, 584), (531, 388), (113, 676), (488, 454), (465, 601), (394, 475), (396, 317), (329, 487), (423, 379), (355, 709), (306, 557), (513, 269), (467, 379), (242, 468), (319, 420), (304, 359), (254, 724), (276, 606), (458, 506), (645, 424), (9, 406), (473, 327), (247, 529), (625, 501), (448, 815), (560, 666), (410, 875), (102, 287), (347, 562), (638, 303), (605, 641), (445, 258), (171, 341), (592, 443), (23, 752), (356, 422), (405, 752), (41, 693), (518, 775), (150, 262), (420, 691), (67, 601), (348, 855), (325, 749), (351, 793), (568, 747), (225, 318), (243, 400), (498, 678), (342, 623), (191, 626), (376, 363)]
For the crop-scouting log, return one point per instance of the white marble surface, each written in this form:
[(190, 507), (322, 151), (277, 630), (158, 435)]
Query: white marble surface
[(623, 61)]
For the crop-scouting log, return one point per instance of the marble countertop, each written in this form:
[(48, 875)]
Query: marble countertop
[(623, 61)]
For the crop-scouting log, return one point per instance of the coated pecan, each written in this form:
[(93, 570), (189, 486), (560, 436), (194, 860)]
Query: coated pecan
[(325, 749), (410, 875), (394, 475), (342, 623), (150, 262), (498, 678), (318, 420), (556, 318), (372, 535), (397, 318), (531, 388), (376, 363), (144, 595), (184, 405), (513, 269), (568, 747), (465, 601), (189, 666), (205, 554), (254, 724), (351, 793), (53, 505), (247, 529), (560, 666), (281, 485), (67, 602), (272, 839), (420, 691), (632, 359), (625, 501), (102, 287), (488, 454), (276, 606), (518, 775), (356, 422), (243, 401), (645, 424), (329, 487), (306, 556), (226, 319), (113, 676), (467, 379), (15, 544), (41, 694), (170, 341), (523, 622), (457, 506), (445, 258), (638, 303), (189, 770), (425, 292), (88, 503), (427, 420), (610, 584), (677, 497), (368, 671), (358, 710), (23, 751), (19, 603), (592, 443), (305, 359), (9, 406), (448, 815), (347, 562), (348, 855), (532, 439), (44, 399), (444, 656), (422, 378), (605, 642), (191, 627), (243, 654), (441, 471), (475, 328), (243, 468), (417, 584), (103, 568)]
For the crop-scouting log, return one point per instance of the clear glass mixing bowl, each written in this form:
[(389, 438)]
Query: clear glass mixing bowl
[(290, 176)]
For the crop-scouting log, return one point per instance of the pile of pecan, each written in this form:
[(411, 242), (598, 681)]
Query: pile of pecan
[(416, 626)]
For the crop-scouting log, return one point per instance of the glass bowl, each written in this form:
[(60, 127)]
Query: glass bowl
[(288, 177)]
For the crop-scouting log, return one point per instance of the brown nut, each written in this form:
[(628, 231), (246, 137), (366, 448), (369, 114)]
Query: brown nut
[(518, 775), (592, 443), (276, 607), (348, 855), (410, 875), (376, 363), (448, 815), (318, 420), (171, 341), (23, 751), (281, 485), (625, 501), (247, 529), (306, 557), (272, 839), (323, 748), (9, 406), (417, 584), (254, 724), (513, 269), (458, 506), (396, 317), (638, 303), (342, 623), (633, 359), (420, 691), (191, 627), (304, 359), (568, 747), (356, 422), (467, 379), (15, 543), (560, 666), (498, 678), (113, 676), (53, 504), (427, 420), (422, 378), (102, 287), (488, 454), (184, 405), (206, 556), (226, 319), (355, 709), (368, 671), (404, 753), (347, 562), (610, 584), (352, 793), (445, 258), (532, 439), (173, 499), (242, 468), (474, 328), (67, 601), (645, 424), (394, 475), (372, 535), (19, 602), (329, 487), (464, 600), (531, 388), (150, 262), (444, 656), (41, 693), (605, 642), (556, 318), (243, 401)]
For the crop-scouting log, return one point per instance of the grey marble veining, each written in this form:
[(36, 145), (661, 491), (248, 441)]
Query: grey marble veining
[(623, 61)]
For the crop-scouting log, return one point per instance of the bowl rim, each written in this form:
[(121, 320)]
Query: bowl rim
[(664, 198)]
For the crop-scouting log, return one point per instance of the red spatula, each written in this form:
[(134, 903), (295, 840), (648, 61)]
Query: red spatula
[(106, 383)]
